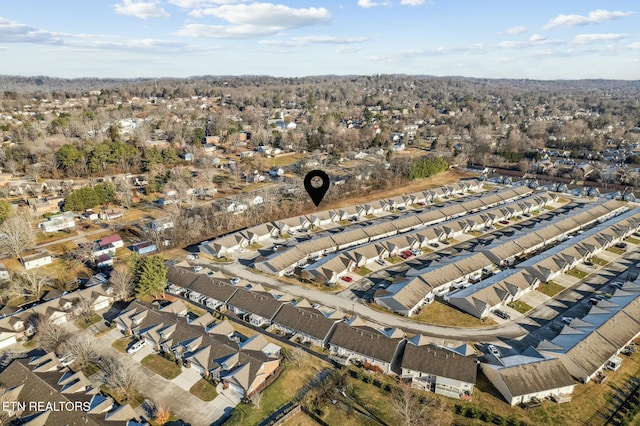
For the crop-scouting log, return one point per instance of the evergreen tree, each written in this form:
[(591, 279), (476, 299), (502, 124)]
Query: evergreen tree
[(151, 276)]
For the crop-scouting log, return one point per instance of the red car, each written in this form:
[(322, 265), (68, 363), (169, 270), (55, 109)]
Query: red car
[(347, 279)]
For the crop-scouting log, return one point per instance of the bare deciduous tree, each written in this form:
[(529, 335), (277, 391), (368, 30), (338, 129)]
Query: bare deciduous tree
[(122, 281), (295, 356), (82, 348), (17, 235), (409, 405), (120, 377), (50, 336), (31, 282)]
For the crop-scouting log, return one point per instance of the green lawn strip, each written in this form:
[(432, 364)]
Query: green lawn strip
[(520, 306), (204, 390), (616, 250), (121, 344), (363, 270), (575, 272), (550, 289), (84, 323), (162, 366), (599, 261)]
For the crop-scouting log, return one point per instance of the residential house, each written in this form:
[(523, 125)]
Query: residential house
[(161, 224), (305, 325), (36, 260), (58, 222), (521, 379), (144, 247), (365, 345), (260, 308), (438, 369)]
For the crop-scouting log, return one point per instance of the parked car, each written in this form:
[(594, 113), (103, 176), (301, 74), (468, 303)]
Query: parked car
[(494, 351), (434, 245), (347, 279), (136, 347), (235, 280), (621, 246), (501, 314), (381, 262), (503, 222), (567, 320)]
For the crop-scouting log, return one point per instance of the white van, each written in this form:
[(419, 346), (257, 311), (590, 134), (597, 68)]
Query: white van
[(136, 347)]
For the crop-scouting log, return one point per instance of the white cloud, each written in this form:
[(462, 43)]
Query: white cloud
[(635, 45), (347, 49), (318, 39), (509, 44), (267, 14), (253, 20), (15, 32), (197, 4), (594, 38), (516, 30), (141, 9), (537, 37), (412, 2), (597, 16), (369, 3), (226, 31)]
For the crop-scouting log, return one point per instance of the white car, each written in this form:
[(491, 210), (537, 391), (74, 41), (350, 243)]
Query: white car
[(494, 351), (567, 320), (136, 347)]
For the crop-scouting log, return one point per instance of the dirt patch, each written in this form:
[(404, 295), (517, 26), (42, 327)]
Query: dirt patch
[(445, 178)]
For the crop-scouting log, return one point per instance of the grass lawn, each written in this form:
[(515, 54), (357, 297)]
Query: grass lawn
[(520, 306), (443, 314), (475, 233), (135, 401), (300, 419), (283, 390), (616, 250), (254, 246), (204, 390), (366, 397), (194, 309), (632, 240), (84, 323), (121, 344), (284, 160), (162, 366), (363, 270), (575, 272), (550, 288), (599, 261), (394, 259)]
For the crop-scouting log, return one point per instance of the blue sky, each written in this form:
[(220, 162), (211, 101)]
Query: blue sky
[(567, 39)]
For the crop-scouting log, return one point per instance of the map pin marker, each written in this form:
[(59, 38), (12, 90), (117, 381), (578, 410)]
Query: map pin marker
[(316, 183)]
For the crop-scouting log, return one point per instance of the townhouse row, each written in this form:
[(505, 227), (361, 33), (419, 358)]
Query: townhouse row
[(284, 262)]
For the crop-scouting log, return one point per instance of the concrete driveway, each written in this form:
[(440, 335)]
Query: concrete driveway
[(179, 401), (187, 378)]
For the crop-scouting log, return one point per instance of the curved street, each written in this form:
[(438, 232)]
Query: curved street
[(509, 330)]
